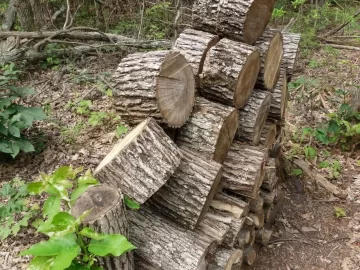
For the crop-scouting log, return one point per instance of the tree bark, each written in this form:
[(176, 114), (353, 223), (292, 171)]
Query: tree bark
[(227, 259), (228, 203), (210, 130), (107, 215), (277, 206), (230, 72), (270, 45), (194, 45), (9, 16), (291, 49), (239, 20), (252, 117), (165, 245), (244, 169), (256, 204), (41, 15), (267, 196), (157, 84), (279, 98), (270, 179), (186, 196), (212, 228), (140, 163), (268, 134), (25, 15)]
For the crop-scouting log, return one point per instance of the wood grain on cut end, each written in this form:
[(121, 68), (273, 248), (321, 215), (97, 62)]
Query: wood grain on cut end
[(249, 255), (227, 203), (226, 259), (273, 61), (268, 134), (279, 98), (140, 163), (257, 18)]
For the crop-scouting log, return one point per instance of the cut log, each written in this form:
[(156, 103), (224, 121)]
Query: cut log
[(270, 179), (256, 204), (186, 196), (227, 259), (253, 116), (140, 163), (213, 228), (268, 134), (245, 237), (263, 236), (248, 18), (166, 245), (249, 255), (270, 45), (107, 215), (277, 206), (194, 45), (231, 204), (258, 218), (291, 49), (210, 129), (157, 84), (279, 99), (230, 72), (267, 211), (267, 196), (244, 169)]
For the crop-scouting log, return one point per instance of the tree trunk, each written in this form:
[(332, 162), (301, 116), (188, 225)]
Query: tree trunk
[(239, 20), (25, 15), (279, 99), (210, 130), (107, 216), (227, 259), (9, 16), (270, 45), (244, 169), (140, 163), (157, 84), (230, 72), (165, 245), (268, 134), (291, 49), (249, 255), (252, 117), (228, 203), (42, 18), (270, 179), (194, 45), (186, 196)]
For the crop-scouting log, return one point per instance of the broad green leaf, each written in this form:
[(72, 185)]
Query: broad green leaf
[(5, 147), (65, 183), (120, 130), (41, 263), (333, 127), (15, 118), (339, 212), (25, 145), (131, 203), (90, 233), (35, 187), (15, 149), (324, 164), (3, 130), (62, 173), (321, 135), (7, 190), (34, 112), (297, 172), (78, 191), (82, 217), (5, 102), (53, 247), (62, 223), (15, 228), (111, 244), (14, 131), (21, 91), (310, 152), (64, 259), (51, 206)]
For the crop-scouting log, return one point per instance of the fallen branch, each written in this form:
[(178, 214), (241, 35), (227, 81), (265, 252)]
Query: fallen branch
[(318, 178), (344, 47), (337, 29)]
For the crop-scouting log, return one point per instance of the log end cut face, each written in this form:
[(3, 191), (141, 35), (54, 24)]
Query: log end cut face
[(273, 61), (175, 90), (247, 79), (257, 18), (261, 119)]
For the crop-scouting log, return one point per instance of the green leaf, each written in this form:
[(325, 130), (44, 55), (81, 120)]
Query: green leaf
[(41, 263), (131, 203), (5, 102), (7, 190), (90, 233), (310, 152), (5, 147), (25, 145), (62, 223), (324, 164), (22, 91), (321, 135), (3, 130), (64, 259), (120, 130), (34, 112), (339, 212), (51, 206), (35, 187), (297, 172), (111, 244), (333, 127), (15, 149), (14, 131)]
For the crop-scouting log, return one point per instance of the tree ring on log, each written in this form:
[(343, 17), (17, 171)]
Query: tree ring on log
[(257, 18), (273, 61), (175, 89), (247, 79)]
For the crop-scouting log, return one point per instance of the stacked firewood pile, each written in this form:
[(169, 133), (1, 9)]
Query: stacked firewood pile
[(202, 160)]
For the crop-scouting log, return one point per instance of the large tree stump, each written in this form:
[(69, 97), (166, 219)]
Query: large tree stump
[(279, 99), (270, 45), (268, 134), (252, 117), (231, 204), (239, 20), (194, 45), (270, 179), (140, 163), (227, 259), (107, 215), (210, 129), (291, 49), (244, 169), (157, 84), (188, 193), (165, 245), (230, 72)]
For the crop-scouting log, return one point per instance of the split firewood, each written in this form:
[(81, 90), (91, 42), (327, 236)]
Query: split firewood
[(248, 18), (210, 129), (186, 196), (267, 211), (157, 84), (268, 134), (107, 215), (212, 228), (256, 204), (263, 236), (268, 197), (230, 72), (227, 259), (227, 203), (258, 218), (165, 245), (253, 116), (270, 45), (194, 45), (244, 169), (140, 163), (279, 98), (249, 255), (270, 179), (245, 237), (291, 49)]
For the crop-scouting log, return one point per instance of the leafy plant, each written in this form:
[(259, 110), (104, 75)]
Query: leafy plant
[(339, 212), (297, 172), (70, 245), (97, 118), (120, 130), (70, 134)]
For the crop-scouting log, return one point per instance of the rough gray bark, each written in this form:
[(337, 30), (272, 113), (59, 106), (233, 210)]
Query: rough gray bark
[(248, 18), (186, 196), (157, 84), (291, 49), (226, 259), (213, 228), (166, 245), (228, 203), (279, 98), (244, 169), (252, 116), (9, 16), (210, 130), (268, 134), (107, 215), (41, 15), (140, 163), (194, 45), (270, 179), (230, 72)]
